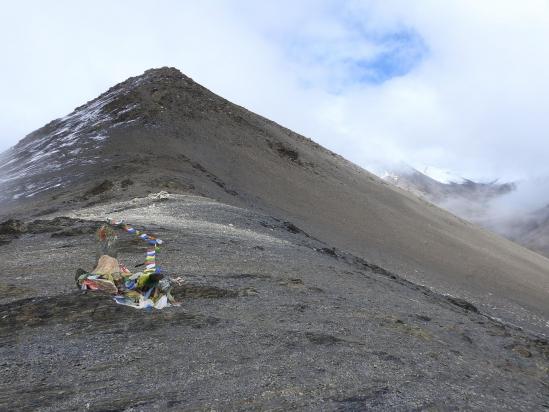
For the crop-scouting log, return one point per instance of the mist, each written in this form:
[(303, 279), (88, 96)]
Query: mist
[(516, 215)]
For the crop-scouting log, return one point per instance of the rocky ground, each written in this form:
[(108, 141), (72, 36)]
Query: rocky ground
[(271, 318)]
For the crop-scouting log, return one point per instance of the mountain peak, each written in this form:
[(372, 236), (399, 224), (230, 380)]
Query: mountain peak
[(163, 92), (126, 123), (163, 73), (152, 79)]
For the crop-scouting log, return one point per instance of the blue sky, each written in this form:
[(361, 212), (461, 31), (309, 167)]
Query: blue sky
[(387, 55), (459, 85), (402, 52)]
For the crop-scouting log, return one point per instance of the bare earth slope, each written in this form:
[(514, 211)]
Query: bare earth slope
[(271, 320), (163, 131)]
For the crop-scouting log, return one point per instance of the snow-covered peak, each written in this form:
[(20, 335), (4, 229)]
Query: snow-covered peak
[(444, 176), (398, 171), (392, 172)]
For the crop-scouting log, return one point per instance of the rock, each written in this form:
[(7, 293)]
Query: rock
[(103, 187), (163, 195), (522, 351), (126, 183), (12, 227)]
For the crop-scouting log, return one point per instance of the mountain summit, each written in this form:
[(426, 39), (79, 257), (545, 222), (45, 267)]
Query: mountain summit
[(72, 149)]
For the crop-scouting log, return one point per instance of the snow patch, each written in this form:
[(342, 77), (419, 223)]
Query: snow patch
[(98, 138), (441, 175), (76, 131)]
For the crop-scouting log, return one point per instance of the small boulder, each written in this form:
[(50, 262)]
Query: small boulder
[(12, 227)]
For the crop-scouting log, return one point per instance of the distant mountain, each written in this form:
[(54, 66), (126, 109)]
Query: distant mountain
[(437, 190), (473, 201), (463, 197), (442, 175)]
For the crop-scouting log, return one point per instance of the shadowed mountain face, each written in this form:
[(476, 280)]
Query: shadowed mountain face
[(301, 272), (162, 131)]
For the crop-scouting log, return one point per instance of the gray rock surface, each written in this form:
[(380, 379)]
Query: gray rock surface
[(270, 319)]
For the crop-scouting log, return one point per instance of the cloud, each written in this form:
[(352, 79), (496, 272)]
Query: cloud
[(477, 102), (459, 85)]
